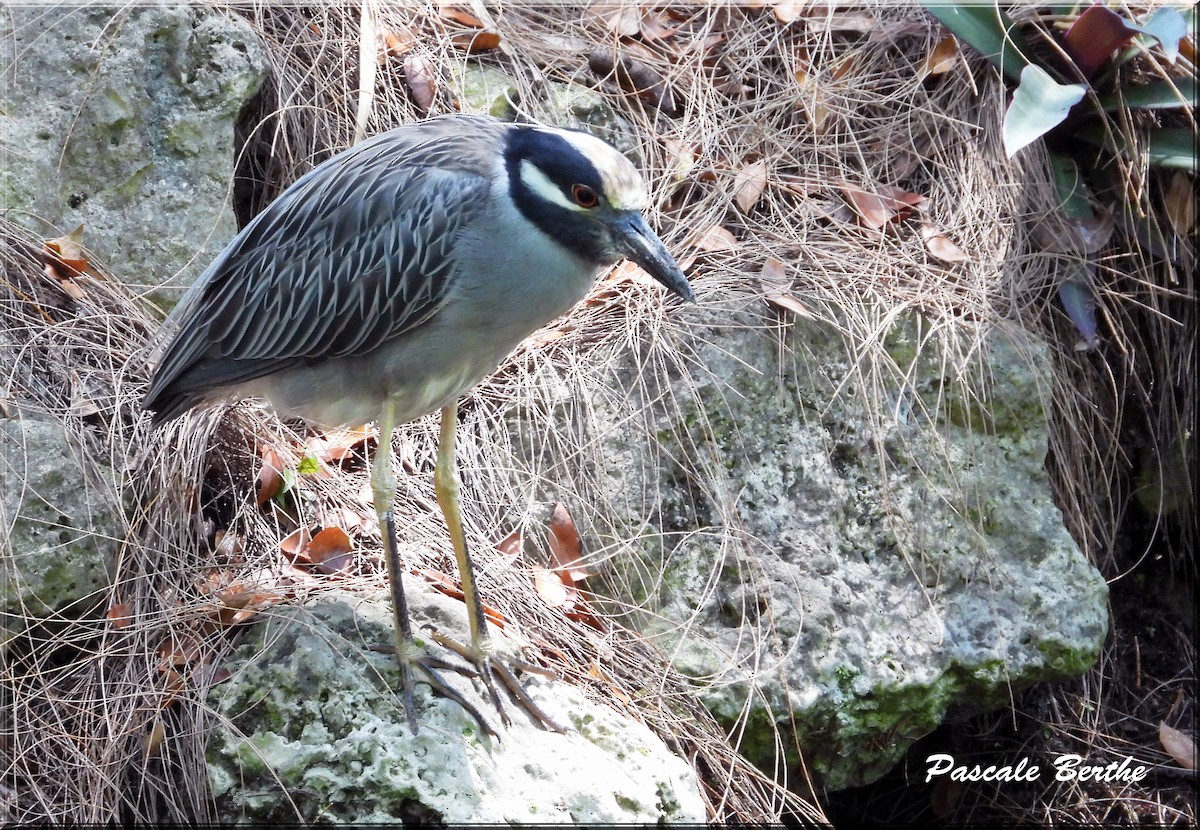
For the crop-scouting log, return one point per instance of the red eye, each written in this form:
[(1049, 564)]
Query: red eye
[(584, 196)]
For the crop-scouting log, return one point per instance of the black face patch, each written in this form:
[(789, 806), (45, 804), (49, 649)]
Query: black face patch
[(558, 158), (565, 166)]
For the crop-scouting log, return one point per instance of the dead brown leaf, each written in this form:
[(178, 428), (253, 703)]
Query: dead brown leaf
[(474, 43), (1180, 203), (120, 615), (67, 255), (788, 11), (178, 650), (1179, 745), (876, 210), (153, 737), (551, 588), (270, 475), (940, 246), (635, 78), (421, 80), (942, 59), (510, 546), (334, 445), (623, 20), (566, 548), (294, 543), (654, 26), (396, 43), (330, 550), (450, 588), (714, 239), (776, 285), (749, 185)]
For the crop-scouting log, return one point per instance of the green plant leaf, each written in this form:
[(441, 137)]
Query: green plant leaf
[(1073, 198), (1168, 27), (988, 30), (1165, 146), (1039, 105), (1167, 93), (1080, 304), (1095, 36), (1172, 147)]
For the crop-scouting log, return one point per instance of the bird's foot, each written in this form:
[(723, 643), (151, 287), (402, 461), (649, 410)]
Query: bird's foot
[(488, 666), (410, 656)]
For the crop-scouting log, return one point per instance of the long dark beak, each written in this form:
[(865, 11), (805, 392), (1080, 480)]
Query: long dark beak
[(638, 242)]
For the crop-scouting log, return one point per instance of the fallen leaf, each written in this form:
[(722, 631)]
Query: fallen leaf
[(331, 550), (476, 42), (876, 210), (334, 445), (683, 158), (566, 548), (153, 737), (294, 543), (178, 650), (654, 26), (942, 59), (859, 22), (1179, 745), (442, 582), (452, 589), (510, 546), (396, 44), (634, 78), (120, 615), (1074, 235), (228, 545), (715, 239), (622, 20), (67, 255), (1180, 203), (777, 289), (940, 246), (749, 185), (238, 603), (270, 475), (550, 587), (421, 81), (787, 11), (460, 16)]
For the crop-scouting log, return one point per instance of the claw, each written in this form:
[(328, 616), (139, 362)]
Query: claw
[(491, 666)]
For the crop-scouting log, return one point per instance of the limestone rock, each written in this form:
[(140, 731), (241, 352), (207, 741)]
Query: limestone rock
[(884, 571), (121, 118), (312, 729), (57, 536)]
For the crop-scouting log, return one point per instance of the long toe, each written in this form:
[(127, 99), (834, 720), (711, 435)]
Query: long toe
[(431, 668), (491, 666)]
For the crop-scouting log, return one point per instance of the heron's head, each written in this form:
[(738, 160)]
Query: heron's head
[(589, 198)]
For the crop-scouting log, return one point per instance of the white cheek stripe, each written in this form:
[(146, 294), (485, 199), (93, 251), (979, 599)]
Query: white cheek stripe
[(540, 183)]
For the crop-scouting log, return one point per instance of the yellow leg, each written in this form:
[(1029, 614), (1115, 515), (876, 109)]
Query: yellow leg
[(408, 653), (446, 485)]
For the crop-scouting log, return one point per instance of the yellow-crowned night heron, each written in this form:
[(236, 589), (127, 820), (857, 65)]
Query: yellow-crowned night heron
[(392, 278)]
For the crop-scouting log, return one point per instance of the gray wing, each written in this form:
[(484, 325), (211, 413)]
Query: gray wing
[(357, 252)]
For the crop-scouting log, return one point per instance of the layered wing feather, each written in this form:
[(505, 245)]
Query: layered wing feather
[(354, 254)]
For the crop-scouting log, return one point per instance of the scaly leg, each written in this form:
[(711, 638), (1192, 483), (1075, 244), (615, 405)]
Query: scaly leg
[(408, 653), (446, 484)]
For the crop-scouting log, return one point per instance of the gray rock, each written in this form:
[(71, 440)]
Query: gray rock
[(57, 536), (121, 118), (489, 91), (312, 729), (869, 575)]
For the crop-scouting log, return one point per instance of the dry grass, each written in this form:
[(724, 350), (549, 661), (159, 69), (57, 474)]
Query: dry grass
[(89, 697)]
